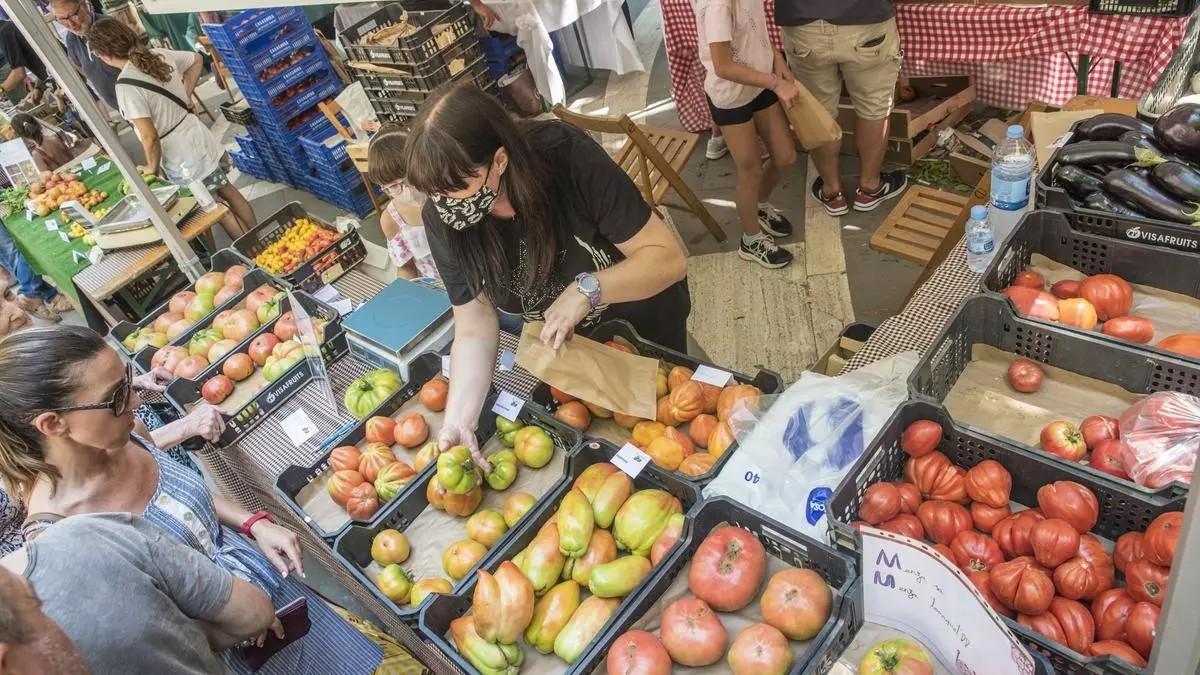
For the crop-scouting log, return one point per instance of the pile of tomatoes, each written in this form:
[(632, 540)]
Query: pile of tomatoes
[(1040, 566), (283, 64), (301, 242)]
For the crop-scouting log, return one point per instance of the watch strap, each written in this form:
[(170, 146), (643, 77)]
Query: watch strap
[(253, 520)]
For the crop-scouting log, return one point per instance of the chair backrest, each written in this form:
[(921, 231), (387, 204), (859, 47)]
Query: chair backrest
[(644, 150), (331, 109)]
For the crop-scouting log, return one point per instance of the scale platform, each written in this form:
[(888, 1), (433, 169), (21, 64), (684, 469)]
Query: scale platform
[(405, 320)]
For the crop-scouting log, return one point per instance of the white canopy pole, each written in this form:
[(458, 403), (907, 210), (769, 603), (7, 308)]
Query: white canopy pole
[(40, 36)]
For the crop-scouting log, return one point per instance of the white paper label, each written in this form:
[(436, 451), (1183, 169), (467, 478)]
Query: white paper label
[(105, 167), (446, 366), (508, 406), (631, 460), (96, 254), (709, 375), (327, 294), (52, 225), (907, 586), (88, 164), (507, 360), (64, 237), (298, 427), (29, 214), (343, 306)]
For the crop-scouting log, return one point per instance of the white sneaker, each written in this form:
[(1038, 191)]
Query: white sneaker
[(716, 148)]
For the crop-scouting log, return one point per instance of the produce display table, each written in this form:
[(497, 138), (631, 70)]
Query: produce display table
[(1013, 54)]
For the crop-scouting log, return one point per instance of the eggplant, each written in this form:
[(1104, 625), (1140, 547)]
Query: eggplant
[(1102, 201), (1077, 182), (1109, 126), (1142, 139), (1179, 179), (1139, 191), (1087, 153), (1178, 130)]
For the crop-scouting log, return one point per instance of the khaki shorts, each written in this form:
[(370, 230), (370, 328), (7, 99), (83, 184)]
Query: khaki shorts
[(822, 55)]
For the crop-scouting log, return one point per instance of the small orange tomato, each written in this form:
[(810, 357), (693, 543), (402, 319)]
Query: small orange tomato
[(1077, 312)]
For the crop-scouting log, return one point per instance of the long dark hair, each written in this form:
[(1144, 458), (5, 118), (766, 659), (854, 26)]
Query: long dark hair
[(116, 40), (26, 126), (38, 371), (457, 133)]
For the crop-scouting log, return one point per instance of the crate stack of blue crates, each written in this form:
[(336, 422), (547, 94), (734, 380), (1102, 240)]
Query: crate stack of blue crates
[(282, 71)]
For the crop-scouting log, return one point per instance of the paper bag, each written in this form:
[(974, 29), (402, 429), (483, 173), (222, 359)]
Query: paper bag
[(603, 376), (811, 122)]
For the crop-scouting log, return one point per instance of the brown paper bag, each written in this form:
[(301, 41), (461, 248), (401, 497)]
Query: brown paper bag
[(600, 375), (811, 122)]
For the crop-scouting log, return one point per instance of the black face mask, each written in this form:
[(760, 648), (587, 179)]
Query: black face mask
[(465, 212)]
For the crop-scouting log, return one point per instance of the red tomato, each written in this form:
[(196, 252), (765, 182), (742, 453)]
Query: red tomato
[(975, 552), (217, 389), (1098, 428), (727, 569), (989, 482), (1137, 329), (1077, 625), (1187, 344), (1077, 312), (1021, 584), (1045, 624), (1110, 609), (433, 394), (692, 633), (412, 430), (1079, 579), (345, 458), (921, 438), (797, 602), (1032, 302), (1129, 547), (1141, 626), (1029, 279), (1146, 582), (562, 396), (573, 413), (910, 497), (982, 581), (1106, 457), (638, 653), (1054, 542), (937, 478), (1067, 288), (760, 649), (1061, 438), (1025, 376), (880, 502), (1070, 501), (1109, 294), (943, 520), (1091, 550), (905, 524), (1161, 538), (1012, 533), (1118, 649), (380, 429), (985, 517), (944, 551)]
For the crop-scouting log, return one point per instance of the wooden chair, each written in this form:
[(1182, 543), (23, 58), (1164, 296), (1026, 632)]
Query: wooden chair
[(219, 68), (331, 110), (652, 157)]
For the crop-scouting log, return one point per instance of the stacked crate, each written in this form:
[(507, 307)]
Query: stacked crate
[(281, 68)]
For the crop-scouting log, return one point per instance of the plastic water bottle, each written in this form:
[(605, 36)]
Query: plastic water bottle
[(195, 185), (1013, 163), (981, 242)]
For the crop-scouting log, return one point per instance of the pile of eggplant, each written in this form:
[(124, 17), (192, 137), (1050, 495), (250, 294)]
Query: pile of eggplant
[(1122, 165)]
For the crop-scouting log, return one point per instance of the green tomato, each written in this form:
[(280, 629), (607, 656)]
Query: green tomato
[(366, 393), (533, 447), (504, 469), (456, 470), (507, 430)]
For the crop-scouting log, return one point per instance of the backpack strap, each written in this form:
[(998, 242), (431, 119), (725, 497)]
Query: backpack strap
[(150, 86)]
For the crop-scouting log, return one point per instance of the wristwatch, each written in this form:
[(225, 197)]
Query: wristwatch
[(589, 285)]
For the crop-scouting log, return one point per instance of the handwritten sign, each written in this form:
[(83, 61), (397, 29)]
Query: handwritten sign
[(911, 588), (631, 460), (446, 366), (752, 477), (709, 375), (298, 427), (508, 406), (507, 360)]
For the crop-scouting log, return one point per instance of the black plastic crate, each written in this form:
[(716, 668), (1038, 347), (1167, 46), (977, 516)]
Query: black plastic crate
[(839, 570), (437, 70), (182, 392), (1152, 231), (220, 261), (1121, 509), (1160, 8), (767, 380), (438, 613), (238, 113), (990, 320), (353, 546), (325, 267), (436, 31), (1050, 234)]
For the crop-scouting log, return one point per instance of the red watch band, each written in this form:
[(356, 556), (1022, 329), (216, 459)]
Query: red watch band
[(249, 524)]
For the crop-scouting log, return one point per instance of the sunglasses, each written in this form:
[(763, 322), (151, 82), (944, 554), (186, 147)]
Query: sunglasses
[(117, 405)]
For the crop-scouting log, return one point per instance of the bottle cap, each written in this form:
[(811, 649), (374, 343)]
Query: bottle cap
[(979, 212), (1015, 131)]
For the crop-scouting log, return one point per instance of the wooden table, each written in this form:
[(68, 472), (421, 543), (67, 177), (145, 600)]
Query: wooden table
[(108, 279)]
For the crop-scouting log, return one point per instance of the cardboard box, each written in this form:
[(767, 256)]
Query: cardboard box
[(851, 340), (941, 103)]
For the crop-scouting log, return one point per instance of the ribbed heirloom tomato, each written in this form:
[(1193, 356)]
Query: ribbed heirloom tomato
[(1054, 542), (1023, 585), (728, 568), (989, 482), (975, 552), (1161, 538), (1109, 611), (943, 520)]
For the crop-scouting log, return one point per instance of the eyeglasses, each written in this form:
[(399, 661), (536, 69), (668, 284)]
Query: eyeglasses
[(73, 16), (117, 405)]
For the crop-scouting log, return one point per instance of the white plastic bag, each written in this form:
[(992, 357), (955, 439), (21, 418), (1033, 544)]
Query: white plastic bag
[(793, 454), (1160, 436)]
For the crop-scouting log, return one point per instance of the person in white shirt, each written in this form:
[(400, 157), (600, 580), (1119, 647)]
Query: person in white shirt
[(154, 92)]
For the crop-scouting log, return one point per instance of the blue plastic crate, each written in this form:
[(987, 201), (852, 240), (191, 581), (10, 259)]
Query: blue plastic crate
[(322, 153), (252, 84), (250, 27), (326, 87), (502, 53), (249, 65)]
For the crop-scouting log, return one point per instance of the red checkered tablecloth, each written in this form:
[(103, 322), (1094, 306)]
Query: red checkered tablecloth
[(1014, 54)]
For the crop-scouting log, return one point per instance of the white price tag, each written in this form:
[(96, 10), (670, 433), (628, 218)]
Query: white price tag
[(298, 427), (508, 406), (64, 237), (29, 214), (104, 167), (709, 375), (327, 294), (631, 460), (96, 254), (446, 366), (52, 225), (343, 306), (907, 586), (88, 164), (507, 360)]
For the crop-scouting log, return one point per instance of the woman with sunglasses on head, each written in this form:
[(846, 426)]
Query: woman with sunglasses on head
[(536, 219), (68, 445)]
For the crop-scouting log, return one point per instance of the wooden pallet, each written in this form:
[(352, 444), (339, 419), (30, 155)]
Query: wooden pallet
[(918, 224)]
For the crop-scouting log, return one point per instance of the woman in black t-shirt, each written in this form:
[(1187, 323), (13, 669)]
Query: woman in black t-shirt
[(533, 218)]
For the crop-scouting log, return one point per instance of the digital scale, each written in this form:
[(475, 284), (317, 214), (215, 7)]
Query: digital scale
[(405, 320)]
